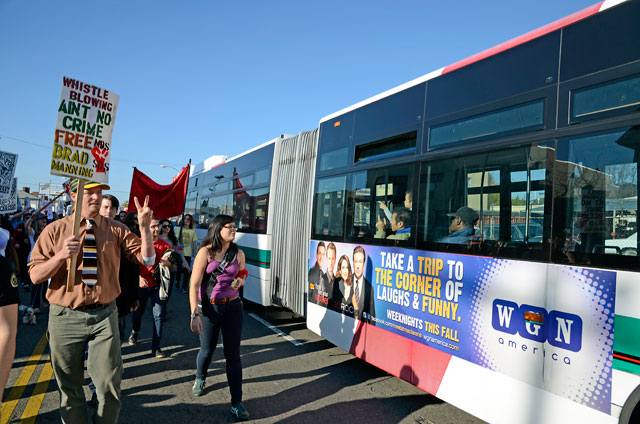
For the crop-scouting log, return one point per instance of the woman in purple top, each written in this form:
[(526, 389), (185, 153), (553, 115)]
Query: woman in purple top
[(222, 311)]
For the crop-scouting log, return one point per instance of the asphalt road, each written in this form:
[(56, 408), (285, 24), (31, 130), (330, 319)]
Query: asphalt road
[(310, 382)]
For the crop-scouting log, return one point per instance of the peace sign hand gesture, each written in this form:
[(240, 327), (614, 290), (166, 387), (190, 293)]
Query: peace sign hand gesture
[(144, 212)]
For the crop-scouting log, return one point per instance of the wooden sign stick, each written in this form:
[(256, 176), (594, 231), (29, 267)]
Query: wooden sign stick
[(77, 217), (50, 202)]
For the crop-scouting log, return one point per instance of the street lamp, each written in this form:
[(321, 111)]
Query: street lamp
[(172, 167)]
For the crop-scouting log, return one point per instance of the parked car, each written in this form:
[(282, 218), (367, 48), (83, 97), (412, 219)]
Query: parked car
[(518, 231), (624, 246)]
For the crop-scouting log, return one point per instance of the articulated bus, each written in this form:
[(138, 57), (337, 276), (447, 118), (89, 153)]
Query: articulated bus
[(268, 190), (473, 231)]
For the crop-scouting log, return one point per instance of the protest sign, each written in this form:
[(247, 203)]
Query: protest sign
[(55, 189), (82, 141), (8, 163), (9, 203), (44, 189)]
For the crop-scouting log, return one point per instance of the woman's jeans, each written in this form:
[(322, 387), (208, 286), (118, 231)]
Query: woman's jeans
[(228, 318), (159, 308)]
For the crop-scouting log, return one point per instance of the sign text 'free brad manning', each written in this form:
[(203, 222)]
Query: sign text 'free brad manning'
[(82, 142)]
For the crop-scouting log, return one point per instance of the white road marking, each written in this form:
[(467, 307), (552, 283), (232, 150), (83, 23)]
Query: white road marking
[(276, 330)]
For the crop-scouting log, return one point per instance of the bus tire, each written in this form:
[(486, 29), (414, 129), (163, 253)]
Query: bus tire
[(631, 410)]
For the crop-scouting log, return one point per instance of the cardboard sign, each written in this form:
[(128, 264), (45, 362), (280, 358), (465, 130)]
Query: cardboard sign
[(82, 141), (8, 163), (9, 203)]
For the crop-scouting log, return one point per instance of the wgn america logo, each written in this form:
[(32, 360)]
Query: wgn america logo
[(559, 329)]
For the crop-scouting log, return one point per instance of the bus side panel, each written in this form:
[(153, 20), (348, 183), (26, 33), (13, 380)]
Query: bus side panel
[(489, 395), (257, 252), (546, 330), (500, 399), (420, 365), (328, 324)]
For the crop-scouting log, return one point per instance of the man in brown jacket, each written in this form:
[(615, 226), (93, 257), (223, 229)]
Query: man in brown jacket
[(87, 314)]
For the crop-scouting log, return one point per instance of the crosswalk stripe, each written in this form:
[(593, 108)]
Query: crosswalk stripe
[(35, 401), (23, 380)]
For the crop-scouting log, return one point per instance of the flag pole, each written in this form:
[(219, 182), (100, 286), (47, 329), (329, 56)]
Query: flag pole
[(52, 200), (184, 205)]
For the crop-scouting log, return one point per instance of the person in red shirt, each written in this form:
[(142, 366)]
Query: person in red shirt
[(149, 290)]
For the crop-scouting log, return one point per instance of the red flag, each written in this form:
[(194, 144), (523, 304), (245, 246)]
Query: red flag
[(165, 200)]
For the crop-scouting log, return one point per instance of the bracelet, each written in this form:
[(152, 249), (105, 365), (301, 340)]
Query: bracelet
[(194, 315)]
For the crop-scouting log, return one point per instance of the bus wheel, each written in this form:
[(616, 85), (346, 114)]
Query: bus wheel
[(631, 410)]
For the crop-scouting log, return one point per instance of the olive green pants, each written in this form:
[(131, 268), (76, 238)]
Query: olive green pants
[(70, 331)]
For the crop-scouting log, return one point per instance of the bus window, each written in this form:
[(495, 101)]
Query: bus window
[(491, 203), (210, 206), (191, 202), (250, 210), (381, 203), (221, 187), (611, 98), (333, 159), (596, 198), (263, 176), (510, 120), (382, 149), (329, 207), (336, 136)]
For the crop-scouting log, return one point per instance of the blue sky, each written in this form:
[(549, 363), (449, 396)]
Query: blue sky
[(202, 78)]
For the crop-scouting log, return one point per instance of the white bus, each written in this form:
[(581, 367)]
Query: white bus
[(472, 231)]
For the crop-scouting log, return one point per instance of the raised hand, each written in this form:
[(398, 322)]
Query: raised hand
[(144, 212), (380, 224)]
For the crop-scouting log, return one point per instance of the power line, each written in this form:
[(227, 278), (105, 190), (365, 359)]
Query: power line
[(112, 160), (25, 141)]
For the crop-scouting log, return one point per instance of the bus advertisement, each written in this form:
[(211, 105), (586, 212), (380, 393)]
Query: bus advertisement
[(545, 325)]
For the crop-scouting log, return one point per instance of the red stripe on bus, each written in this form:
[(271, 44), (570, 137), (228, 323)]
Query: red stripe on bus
[(429, 366), (414, 362), (589, 11), (626, 358)]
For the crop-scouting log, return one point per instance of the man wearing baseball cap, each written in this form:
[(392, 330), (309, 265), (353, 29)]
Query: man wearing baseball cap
[(461, 226), (88, 313)]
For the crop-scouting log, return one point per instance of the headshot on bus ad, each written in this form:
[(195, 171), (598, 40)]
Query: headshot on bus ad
[(340, 279)]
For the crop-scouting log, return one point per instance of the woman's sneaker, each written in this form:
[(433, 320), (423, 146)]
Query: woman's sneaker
[(133, 338), (198, 387), (238, 410)]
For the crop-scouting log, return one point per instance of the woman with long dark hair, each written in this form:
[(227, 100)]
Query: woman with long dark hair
[(167, 234), (221, 307), (344, 284)]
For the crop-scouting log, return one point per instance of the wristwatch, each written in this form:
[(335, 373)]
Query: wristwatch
[(194, 315)]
